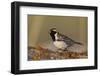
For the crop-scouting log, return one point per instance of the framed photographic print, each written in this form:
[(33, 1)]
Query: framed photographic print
[(52, 37)]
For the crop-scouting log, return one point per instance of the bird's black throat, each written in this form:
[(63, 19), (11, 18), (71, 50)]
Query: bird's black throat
[(52, 34)]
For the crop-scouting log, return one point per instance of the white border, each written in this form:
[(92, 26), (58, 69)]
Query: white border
[(26, 65)]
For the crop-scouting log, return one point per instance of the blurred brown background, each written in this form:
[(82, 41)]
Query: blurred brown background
[(39, 27)]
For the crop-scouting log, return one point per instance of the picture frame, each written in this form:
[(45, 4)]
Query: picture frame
[(20, 12)]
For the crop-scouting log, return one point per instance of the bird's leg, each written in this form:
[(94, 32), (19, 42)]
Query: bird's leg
[(59, 49), (66, 49)]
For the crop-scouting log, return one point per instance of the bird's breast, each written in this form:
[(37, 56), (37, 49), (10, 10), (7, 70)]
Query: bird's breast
[(60, 44)]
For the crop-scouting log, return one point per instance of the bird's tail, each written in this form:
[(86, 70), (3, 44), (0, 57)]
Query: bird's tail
[(79, 43)]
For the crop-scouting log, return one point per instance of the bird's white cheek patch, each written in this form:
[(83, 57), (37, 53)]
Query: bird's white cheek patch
[(60, 44), (56, 36)]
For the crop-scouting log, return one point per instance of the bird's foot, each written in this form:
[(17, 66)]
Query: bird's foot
[(59, 50), (65, 49)]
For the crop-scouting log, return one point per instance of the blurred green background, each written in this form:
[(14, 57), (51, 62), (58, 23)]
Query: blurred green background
[(72, 26)]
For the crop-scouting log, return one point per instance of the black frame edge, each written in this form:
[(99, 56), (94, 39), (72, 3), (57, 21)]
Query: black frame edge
[(14, 38), (56, 70), (96, 38), (53, 5)]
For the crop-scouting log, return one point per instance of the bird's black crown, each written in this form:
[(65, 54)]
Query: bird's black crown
[(53, 29)]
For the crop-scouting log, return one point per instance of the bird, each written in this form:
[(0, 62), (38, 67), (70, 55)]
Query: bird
[(61, 41)]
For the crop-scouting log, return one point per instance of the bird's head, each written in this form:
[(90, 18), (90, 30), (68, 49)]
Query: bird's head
[(53, 30), (52, 33)]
